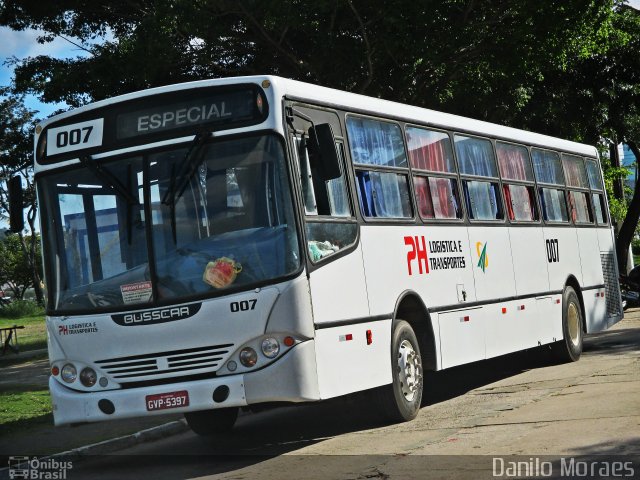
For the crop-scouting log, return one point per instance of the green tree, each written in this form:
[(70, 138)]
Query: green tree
[(16, 146), (15, 267)]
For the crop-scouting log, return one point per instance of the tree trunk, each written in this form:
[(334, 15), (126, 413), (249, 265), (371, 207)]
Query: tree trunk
[(33, 257), (618, 183), (628, 227)]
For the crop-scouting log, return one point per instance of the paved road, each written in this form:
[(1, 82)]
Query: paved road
[(513, 405)]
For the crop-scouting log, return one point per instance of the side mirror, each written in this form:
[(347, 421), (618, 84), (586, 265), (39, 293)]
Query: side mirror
[(323, 146), (16, 207)]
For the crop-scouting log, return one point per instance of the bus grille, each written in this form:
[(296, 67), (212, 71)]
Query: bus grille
[(611, 285), (161, 363)]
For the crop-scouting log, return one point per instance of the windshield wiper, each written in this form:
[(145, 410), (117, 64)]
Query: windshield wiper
[(190, 165), (110, 181)]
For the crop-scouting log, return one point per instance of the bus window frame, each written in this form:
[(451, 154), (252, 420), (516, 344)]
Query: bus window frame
[(355, 167), (465, 177), (573, 189), (602, 196), (419, 172), (537, 207)]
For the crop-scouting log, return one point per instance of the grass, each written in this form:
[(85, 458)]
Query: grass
[(23, 408), (32, 337)]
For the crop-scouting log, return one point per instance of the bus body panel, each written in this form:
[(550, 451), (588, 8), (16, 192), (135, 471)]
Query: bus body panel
[(348, 363), (462, 336), (339, 290), (433, 262), (511, 326), (529, 260), (589, 249), (549, 318), (563, 256), (214, 327), (491, 262), (292, 378), (292, 311)]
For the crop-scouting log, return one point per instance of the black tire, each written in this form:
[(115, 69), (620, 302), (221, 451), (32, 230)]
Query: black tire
[(212, 422), (569, 348), (400, 401)]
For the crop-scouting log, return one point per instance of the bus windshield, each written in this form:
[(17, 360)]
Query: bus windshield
[(168, 226)]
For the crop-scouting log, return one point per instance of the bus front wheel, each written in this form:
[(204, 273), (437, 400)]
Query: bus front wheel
[(400, 401), (569, 348), (212, 422)]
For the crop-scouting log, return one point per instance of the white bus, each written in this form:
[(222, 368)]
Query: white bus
[(232, 242)]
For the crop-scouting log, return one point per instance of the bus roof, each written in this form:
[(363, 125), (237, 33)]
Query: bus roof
[(361, 104)]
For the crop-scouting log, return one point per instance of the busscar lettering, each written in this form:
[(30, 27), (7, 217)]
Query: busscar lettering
[(155, 315), (183, 116)]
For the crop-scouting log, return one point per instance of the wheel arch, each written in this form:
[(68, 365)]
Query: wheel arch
[(573, 283), (411, 308)]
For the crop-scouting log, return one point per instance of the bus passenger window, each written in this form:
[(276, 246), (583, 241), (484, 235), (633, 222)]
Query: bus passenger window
[(476, 158), (597, 187), (514, 164), (483, 200), (580, 211), (520, 203), (437, 198), (554, 205), (379, 146), (383, 195), (599, 209)]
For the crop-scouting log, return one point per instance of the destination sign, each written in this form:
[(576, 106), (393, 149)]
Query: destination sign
[(228, 107)]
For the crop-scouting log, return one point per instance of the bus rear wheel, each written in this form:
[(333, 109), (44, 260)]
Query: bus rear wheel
[(400, 401), (212, 422), (569, 348)]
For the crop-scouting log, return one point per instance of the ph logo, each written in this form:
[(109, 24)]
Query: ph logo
[(417, 252)]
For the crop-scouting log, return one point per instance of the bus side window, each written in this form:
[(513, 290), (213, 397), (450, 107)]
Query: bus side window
[(548, 172), (554, 205), (597, 189), (476, 158), (576, 176), (377, 149), (436, 194), (330, 225), (599, 208), (515, 166)]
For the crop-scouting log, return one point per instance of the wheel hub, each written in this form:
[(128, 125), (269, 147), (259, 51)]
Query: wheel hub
[(573, 324), (410, 370)]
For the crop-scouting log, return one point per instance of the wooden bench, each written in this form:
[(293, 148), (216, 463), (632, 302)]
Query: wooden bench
[(9, 338)]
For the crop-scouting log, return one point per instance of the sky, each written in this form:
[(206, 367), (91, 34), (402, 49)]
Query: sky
[(24, 44)]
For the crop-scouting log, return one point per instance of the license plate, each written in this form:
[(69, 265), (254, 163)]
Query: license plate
[(163, 401)]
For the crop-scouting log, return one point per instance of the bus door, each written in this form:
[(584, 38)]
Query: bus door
[(334, 257)]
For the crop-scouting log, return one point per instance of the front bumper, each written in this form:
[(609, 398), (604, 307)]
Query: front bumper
[(292, 378)]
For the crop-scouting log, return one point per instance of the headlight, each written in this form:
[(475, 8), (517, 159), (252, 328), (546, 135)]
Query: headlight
[(88, 377), (69, 373), (270, 347), (248, 357)]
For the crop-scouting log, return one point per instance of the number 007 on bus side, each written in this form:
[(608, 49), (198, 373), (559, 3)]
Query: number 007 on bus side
[(163, 401)]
